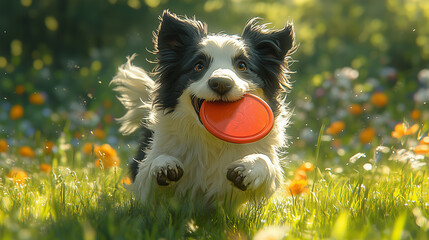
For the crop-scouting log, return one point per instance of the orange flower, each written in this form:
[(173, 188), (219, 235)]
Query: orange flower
[(99, 133), (297, 187), (16, 112), (108, 118), (421, 149), (308, 166), (402, 130), (18, 176), (77, 135), (107, 156), (367, 135), (355, 109), (88, 148), (46, 168), (26, 151), (336, 143), (299, 182), (107, 103), (126, 181), (48, 147), (336, 127), (415, 115), (20, 89), (299, 175), (379, 99), (3, 145), (424, 141), (37, 98)]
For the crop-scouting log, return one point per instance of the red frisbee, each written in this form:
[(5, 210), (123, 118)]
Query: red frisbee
[(244, 121)]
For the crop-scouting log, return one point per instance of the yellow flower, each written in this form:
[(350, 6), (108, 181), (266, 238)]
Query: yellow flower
[(379, 99), (26, 151), (20, 89), (46, 168), (16, 112), (36, 99), (336, 127), (88, 148), (402, 130), (107, 156), (3, 145), (355, 109), (18, 176), (367, 135)]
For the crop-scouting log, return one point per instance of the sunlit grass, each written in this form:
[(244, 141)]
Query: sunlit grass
[(388, 201)]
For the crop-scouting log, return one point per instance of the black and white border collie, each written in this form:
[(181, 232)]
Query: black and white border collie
[(178, 157)]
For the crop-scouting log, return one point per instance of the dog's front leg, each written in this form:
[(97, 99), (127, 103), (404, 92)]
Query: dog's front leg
[(166, 169), (163, 169), (254, 171)]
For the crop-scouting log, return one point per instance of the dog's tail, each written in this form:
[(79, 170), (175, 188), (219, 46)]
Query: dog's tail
[(134, 88)]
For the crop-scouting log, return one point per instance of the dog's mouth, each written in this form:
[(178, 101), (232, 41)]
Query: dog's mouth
[(197, 103)]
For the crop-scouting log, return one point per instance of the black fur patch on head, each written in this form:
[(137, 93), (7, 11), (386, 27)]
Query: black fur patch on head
[(176, 49), (268, 54)]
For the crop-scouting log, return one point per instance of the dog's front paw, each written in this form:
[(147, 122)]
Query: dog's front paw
[(236, 176), (168, 174), (249, 173), (167, 169)]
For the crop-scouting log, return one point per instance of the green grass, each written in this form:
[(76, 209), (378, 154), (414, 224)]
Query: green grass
[(89, 203)]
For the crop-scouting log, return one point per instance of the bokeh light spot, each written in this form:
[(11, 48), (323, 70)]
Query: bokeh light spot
[(51, 23)]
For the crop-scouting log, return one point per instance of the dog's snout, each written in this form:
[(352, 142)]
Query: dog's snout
[(221, 85)]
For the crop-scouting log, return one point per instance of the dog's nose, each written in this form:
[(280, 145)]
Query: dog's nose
[(221, 85)]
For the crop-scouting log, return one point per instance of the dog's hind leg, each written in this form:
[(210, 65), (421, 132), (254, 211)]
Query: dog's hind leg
[(141, 153)]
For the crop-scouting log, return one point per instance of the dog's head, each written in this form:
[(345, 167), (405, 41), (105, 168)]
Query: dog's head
[(219, 67)]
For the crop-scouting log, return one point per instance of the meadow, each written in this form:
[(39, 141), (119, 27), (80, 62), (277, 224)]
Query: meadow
[(357, 162), (73, 188)]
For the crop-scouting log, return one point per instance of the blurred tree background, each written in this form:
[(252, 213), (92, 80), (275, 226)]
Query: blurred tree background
[(70, 49)]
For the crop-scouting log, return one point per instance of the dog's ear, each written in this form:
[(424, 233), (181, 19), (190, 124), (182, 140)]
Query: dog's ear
[(269, 44), (175, 33)]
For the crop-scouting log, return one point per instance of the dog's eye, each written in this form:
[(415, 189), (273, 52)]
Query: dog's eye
[(199, 67), (241, 66)]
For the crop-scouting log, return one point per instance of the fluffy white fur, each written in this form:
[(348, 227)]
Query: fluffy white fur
[(222, 49), (134, 87), (181, 140)]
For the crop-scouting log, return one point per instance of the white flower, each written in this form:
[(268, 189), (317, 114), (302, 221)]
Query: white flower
[(422, 95), (423, 76), (356, 157), (367, 166), (307, 134), (406, 156), (382, 149)]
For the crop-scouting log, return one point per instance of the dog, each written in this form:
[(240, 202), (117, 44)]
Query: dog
[(177, 157)]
